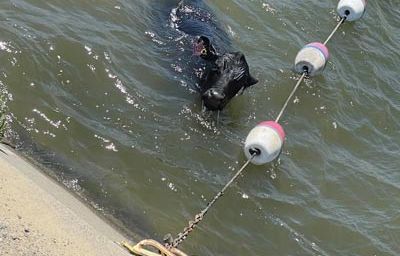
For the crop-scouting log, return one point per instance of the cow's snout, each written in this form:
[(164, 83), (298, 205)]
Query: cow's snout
[(214, 99)]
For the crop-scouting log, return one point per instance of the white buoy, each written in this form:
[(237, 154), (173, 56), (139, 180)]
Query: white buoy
[(312, 59), (351, 9), (266, 140)]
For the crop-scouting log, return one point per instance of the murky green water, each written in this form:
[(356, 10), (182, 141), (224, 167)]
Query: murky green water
[(99, 91)]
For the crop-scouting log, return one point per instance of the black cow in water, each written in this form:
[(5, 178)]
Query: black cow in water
[(225, 74)]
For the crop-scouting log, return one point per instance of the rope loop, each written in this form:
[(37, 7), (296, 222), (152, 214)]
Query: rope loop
[(152, 245)]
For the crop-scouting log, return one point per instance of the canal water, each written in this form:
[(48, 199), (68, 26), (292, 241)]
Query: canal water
[(102, 93)]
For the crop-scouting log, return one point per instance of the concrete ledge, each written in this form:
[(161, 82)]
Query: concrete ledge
[(39, 217)]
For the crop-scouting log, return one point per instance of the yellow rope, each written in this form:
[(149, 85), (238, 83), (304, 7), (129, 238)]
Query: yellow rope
[(139, 249)]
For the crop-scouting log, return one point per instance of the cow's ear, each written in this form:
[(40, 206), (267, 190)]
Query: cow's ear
[(252, 81)]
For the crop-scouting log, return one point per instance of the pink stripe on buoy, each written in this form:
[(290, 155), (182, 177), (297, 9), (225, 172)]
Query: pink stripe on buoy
[(277, 127), (321, 47)]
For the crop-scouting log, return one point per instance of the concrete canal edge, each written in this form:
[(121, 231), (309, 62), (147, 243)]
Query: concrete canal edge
[(40, 217)]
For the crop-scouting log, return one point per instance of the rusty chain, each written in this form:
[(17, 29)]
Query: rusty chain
[(173, 243)]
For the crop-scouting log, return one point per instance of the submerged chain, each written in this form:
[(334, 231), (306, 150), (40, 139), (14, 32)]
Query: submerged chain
[(199, 217)]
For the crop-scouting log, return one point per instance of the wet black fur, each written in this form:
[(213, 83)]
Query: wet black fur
[(225, 74)]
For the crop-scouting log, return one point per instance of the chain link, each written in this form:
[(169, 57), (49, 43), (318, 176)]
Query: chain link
[(173, 243)]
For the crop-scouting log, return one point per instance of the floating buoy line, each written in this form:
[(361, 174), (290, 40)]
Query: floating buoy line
[(265, 141)]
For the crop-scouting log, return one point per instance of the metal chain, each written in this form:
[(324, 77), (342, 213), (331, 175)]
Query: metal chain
[(199, 217)]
